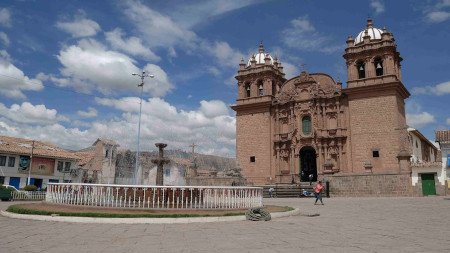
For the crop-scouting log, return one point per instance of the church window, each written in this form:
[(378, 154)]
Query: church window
[(306, 125), (378, 67), (375, 153), (247, 90), (106, 153), (252, 159), (260, 88), (361, 69)]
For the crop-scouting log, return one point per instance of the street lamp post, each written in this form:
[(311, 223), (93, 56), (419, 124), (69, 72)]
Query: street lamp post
[(136, 169)]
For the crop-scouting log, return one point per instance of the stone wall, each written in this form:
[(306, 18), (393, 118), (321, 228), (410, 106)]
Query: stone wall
[(371, 185), (253, 139)]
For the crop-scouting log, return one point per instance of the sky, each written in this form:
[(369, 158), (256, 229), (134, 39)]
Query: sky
[(66, 66)]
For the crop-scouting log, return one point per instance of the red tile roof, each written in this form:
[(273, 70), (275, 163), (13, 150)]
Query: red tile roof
[(20, 146), (443, 137)]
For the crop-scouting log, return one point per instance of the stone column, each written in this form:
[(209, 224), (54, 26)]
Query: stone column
[(160, 161)]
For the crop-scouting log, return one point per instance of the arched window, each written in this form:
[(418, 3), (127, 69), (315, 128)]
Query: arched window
[(306, 125), (378, 66), (247, 90), (260, 88), (361, 69)]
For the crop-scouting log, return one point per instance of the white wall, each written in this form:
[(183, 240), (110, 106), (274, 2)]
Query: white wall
[(9, 172), (416, 151), (445, 150), (432, 169)]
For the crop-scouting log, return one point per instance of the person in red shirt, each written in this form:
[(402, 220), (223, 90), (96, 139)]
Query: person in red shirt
[(317, 192)]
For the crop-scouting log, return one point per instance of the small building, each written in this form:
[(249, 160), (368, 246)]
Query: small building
[(443, 138), (48, 162), (427, 174), (98, 162)]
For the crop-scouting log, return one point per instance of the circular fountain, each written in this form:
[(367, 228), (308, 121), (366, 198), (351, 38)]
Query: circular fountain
[(154, 197)]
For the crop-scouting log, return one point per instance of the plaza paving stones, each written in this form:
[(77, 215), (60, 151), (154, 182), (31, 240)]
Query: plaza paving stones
[(344, 225)]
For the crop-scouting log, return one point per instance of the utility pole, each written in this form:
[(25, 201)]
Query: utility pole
[(31, 163), (136, 169), (193, 148)]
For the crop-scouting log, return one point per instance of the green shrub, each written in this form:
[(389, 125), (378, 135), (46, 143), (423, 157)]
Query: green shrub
[(4, 188), (30, 188)]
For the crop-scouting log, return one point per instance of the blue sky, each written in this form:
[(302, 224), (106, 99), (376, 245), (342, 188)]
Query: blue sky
[(65, 66)]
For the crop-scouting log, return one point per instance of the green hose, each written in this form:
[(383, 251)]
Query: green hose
[(257, 214)]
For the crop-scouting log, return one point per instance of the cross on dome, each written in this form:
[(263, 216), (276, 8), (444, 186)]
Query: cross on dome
[(260, 56), (370, 30)]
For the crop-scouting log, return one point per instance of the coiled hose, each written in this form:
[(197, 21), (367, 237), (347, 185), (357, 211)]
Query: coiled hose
[(257, 214)]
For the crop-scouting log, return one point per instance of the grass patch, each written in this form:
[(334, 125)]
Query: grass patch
[(22, 210), (47, 210)]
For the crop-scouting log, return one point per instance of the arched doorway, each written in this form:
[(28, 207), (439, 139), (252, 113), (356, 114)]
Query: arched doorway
[(308, 164)]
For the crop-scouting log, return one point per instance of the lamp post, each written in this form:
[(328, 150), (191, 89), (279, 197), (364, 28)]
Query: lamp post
[(136, 169), (31, 163)]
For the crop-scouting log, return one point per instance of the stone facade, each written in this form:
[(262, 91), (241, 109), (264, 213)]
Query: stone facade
[(311, 126), (98, 162)]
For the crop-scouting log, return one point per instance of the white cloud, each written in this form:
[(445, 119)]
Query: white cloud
[(191, 14), (438, 16), (419, 120), (90, 66), (302, 35), (158, 30), (210, 126), (377, 6), (4, 39), (439, 89), (213, 108), (13, 81), (5, 17), (448, 121), (223, 53), (131, 45), (91, 112), (30, 114), (439, 12), (80, 26), (290, 70)]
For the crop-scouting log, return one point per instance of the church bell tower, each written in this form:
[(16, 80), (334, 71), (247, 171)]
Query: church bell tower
[(259, 79), (376, 97)]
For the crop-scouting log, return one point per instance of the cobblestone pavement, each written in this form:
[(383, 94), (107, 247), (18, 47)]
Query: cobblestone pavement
[(344, 225)]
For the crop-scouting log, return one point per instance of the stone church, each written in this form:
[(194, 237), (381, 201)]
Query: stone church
[(311, 126)]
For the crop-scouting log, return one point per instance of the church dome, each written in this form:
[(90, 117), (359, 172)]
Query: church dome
[(374, 33), (260, 56)]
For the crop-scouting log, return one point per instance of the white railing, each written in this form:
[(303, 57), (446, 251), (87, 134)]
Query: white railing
[(154, 197), (28, 195)]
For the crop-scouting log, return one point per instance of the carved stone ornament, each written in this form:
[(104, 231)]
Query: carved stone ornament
[(287, 95)]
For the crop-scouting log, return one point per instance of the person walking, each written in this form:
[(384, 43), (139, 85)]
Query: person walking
[(271, 190), (318, 192)]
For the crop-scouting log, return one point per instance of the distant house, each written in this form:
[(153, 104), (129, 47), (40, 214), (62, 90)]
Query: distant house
[(98, 162), (443, 138), (427, 177), (48, 162)]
